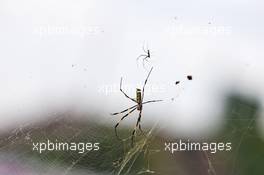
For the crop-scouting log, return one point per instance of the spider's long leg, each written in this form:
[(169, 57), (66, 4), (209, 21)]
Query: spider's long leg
[(143, 89), (132, 137), (121, 120), (116, 113), (143, 59), (134, 130), (141, 131), (151, 101), (142, 55), (143, 62), (124, 92)]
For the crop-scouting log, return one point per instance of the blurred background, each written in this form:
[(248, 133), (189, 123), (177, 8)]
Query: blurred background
[(61, 64)]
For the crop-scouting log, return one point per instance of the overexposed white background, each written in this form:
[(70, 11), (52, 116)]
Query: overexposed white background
[(59, 55)]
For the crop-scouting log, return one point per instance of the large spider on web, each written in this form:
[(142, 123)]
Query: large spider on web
[(139, 106)]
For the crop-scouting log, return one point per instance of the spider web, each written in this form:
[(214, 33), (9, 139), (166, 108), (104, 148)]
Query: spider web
[(146, 157), (16, 147)]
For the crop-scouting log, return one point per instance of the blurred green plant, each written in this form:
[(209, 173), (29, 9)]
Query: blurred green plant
[(148, 155)]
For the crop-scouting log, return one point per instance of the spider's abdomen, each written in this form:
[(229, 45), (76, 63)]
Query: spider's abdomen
[(138, 95)]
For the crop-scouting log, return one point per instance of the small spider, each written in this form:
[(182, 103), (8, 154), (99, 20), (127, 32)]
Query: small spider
[(139, 106), (144, 56)]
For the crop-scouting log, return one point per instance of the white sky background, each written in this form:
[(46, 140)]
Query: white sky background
[(102, 40)]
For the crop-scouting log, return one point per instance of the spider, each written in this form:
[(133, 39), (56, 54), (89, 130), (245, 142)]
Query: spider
[(139, 106), (144, 56)]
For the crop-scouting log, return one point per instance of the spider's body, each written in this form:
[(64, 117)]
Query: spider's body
[(139, 98), (148, 53), (139, 105)]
